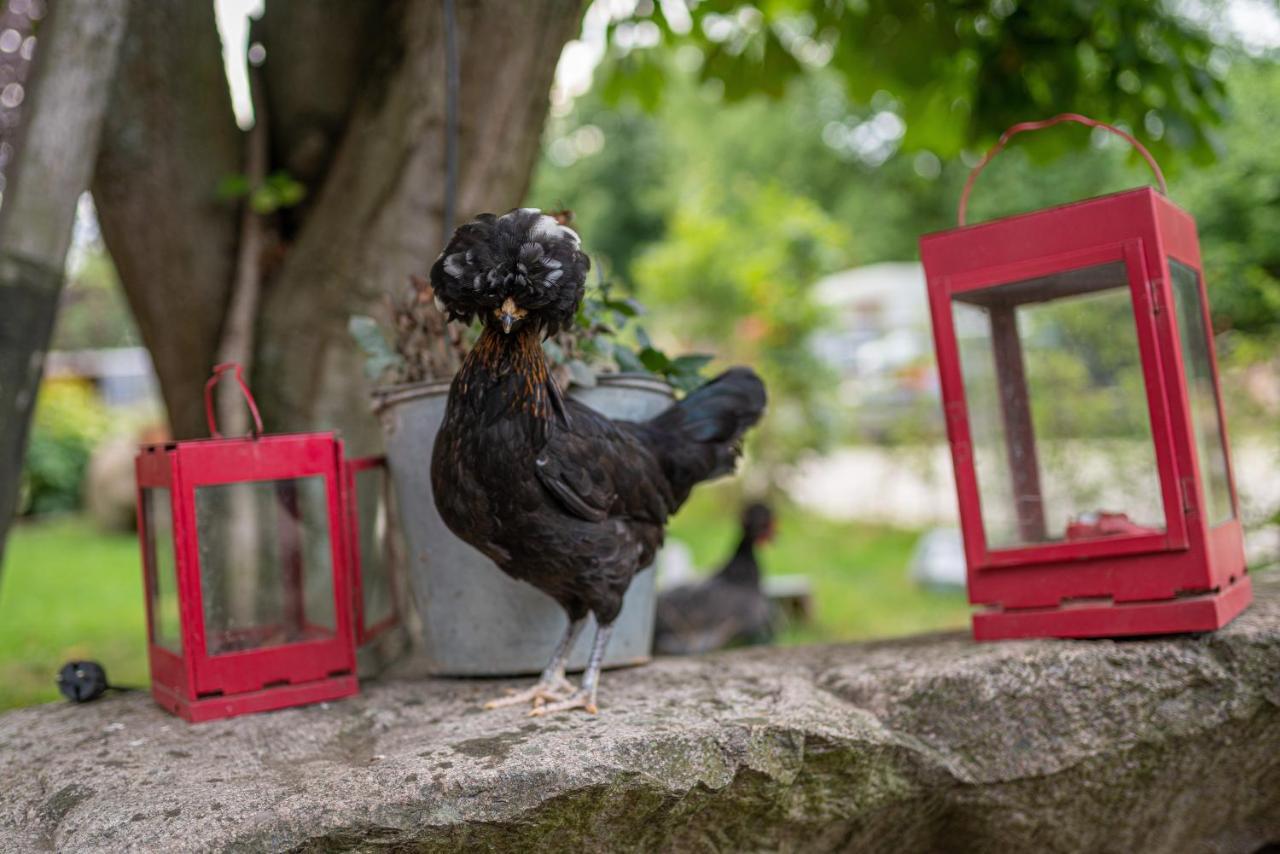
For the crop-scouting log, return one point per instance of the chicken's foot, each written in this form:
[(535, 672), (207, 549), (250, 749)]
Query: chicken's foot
[(552, 685), (585, 697), (554, 689)]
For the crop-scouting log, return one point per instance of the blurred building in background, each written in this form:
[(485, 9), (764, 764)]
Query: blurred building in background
[(879, 343), (121, 377)]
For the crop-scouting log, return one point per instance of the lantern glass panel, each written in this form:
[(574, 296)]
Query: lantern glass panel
[(1057, 408), (166, 628), (1202, 392), (266, 564), (373, 514)]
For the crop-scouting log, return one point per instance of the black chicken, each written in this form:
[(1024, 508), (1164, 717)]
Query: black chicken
[(728, 608), (555, 493)]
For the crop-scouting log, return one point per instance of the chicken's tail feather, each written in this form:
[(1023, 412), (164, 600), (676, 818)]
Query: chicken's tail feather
[(701, 436)]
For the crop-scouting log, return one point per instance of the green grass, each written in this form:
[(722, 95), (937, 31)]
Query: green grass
[(857, 572), (68, 591)]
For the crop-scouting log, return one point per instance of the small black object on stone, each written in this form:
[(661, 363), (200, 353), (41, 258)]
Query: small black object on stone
[(82, 681)]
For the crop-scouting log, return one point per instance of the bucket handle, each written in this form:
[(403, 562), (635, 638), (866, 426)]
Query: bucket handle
[(209, 413), (1058, 119)]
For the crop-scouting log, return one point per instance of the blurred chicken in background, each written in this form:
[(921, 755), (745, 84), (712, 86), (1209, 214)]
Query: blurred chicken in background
[(728, 609)]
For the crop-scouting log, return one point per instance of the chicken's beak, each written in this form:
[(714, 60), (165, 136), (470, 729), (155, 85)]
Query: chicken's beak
[(508, 314)]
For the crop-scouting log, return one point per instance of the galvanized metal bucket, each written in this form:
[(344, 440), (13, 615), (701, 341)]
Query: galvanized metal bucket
[(475, 620)]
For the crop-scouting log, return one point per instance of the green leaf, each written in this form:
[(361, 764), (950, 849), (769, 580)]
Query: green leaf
[(655, 360), (232, 187), (627, 360), (264, 200), (691, 363), (684, 383), (288, 191), (380, 357), (626, 307)]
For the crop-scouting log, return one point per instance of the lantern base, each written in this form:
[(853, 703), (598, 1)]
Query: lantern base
[(1202, 613), (266, 700)]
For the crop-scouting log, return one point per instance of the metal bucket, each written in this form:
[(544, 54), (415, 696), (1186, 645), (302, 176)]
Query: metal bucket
[(475, 620)]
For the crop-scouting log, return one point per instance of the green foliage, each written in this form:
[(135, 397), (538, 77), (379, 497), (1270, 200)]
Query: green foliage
[(92, 311), (736, 269), (1237, 210), (380, 356), (609, 165), (607, 336), (68, 422), (957, 71), (278, 190)]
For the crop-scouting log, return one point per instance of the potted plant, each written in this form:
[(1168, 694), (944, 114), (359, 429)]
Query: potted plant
[(475, 620)]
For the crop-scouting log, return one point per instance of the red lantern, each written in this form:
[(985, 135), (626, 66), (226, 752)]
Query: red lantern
[(251, 559), (1081, 399)]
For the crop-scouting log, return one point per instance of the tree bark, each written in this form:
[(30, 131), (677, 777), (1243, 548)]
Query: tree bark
[(377, 215), (62, 118), (170, 138), (354, 98)]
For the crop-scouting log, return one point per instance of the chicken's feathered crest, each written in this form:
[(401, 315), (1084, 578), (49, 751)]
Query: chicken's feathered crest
[(525, 256)]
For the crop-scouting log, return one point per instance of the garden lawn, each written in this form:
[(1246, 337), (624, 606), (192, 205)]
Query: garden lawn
[(68, 591), (858, 572)]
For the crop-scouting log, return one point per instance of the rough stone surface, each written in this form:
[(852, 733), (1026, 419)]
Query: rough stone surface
[(925, 744)]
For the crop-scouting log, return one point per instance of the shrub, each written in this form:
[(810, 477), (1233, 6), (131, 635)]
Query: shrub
[(69, 420)]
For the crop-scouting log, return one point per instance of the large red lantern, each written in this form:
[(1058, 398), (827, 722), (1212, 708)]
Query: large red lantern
[(252, 563), (1080, 388)]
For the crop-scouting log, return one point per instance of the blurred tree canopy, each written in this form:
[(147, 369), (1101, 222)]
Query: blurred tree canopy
[(708, 128), (961, 70), (1237, 209)]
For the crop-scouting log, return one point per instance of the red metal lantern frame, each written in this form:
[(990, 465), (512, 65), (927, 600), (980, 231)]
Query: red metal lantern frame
[(199, 685), (1191, 576)]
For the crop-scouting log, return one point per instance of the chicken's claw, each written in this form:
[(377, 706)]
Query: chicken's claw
[(577, 700), (539, 694)]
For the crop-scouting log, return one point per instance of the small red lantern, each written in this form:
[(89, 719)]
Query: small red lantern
[(1080, 388), (252, 565)]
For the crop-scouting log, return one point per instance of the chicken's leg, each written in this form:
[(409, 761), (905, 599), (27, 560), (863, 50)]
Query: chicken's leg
[(584, 697), (552, 685)]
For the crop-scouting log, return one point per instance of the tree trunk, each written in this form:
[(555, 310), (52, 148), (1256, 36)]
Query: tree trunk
[(354, 98), (169, 139), (62, 119), (377, 216)]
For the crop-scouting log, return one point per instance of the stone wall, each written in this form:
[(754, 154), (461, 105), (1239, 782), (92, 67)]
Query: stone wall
[(921, 744)]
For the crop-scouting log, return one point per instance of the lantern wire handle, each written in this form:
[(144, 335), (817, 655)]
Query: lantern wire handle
[(1058, 119), (218, 371)]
